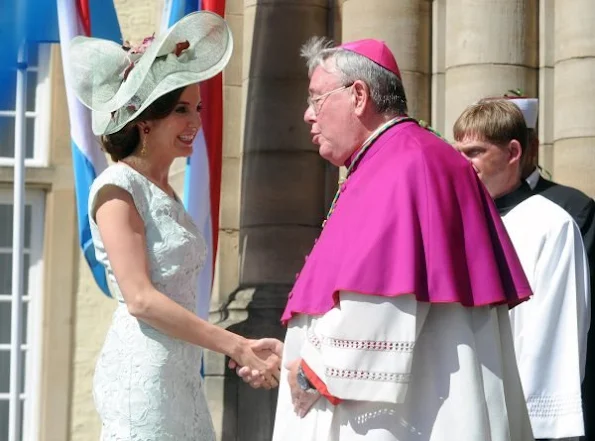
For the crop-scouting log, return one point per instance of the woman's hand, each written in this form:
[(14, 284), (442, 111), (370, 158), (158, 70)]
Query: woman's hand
[(268, 349), (258, 362)]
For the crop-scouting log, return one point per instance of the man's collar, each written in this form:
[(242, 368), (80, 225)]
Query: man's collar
[(533, 178), (507, 202)]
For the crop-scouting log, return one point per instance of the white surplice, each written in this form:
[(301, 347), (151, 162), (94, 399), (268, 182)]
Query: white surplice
[(407, 371), (550, 330)]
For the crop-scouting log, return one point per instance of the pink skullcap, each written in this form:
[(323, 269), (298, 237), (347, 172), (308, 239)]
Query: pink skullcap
[(375, 50)]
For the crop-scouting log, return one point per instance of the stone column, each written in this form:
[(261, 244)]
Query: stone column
[(281, 181), (574, 107), (68, 292), (491, 46), (545, 120), (438, 64), (405, 26), (226, 277), (282, 173)]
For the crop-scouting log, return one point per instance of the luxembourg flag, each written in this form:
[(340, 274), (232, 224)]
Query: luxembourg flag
[(202, 179), (74, 18)]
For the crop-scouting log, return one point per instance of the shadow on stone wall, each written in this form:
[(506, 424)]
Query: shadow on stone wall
[(248, 414), (284, 186)]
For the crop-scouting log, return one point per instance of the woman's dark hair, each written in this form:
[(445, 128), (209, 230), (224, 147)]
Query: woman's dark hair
[(121, 144)]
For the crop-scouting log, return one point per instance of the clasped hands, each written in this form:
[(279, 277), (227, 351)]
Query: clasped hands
[(259, 363), (270, 350)]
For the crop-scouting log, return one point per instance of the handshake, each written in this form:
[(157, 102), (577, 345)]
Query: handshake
[(261, 368), (258, 362)]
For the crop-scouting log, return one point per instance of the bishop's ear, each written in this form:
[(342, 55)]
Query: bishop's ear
[(361, 95)]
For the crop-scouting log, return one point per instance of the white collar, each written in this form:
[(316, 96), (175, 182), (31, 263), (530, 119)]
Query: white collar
[(533, 178)]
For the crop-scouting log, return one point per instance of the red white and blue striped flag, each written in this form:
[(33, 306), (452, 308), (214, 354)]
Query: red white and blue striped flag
[(97, 18), (202, 180)]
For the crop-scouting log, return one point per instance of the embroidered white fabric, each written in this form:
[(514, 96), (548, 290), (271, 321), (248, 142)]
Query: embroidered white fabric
[(550, 330), (405, 371), (147, 386)]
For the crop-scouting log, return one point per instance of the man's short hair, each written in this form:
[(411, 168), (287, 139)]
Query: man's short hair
[(386, 89), (498, 121), (532, 136)]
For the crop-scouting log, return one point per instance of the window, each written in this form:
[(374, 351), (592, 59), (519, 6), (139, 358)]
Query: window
[(37, 111), (31, 311)]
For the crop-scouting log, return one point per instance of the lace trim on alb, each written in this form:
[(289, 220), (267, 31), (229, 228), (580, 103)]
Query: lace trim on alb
[(364, 345), (549, 406), (353, 374)]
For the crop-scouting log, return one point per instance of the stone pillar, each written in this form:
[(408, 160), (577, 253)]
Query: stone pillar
[(282, 174), (226, 277), (491, 46), (65, 384), (405, 26), (281, 181), (438, 64), (574, 124), (545, 120)]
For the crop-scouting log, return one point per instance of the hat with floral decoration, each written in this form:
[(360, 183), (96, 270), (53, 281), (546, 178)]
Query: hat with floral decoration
[(117, 82)]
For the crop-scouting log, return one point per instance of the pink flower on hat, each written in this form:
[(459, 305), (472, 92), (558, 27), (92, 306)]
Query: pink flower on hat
[(139, 48)]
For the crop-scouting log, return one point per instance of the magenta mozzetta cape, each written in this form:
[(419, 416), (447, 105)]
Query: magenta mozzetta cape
[(413, 217)]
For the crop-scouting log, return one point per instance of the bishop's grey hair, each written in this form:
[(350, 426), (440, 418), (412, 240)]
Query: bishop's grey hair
[(386, 89)]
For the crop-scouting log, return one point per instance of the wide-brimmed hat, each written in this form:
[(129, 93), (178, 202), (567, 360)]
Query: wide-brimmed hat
[(117, 82)]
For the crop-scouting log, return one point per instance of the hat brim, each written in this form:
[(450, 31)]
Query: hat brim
[(98, 66)]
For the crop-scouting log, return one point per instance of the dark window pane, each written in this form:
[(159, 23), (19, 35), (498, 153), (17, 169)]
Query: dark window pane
[(6, 225), (29, 137), (31, 89), (27, 225), (23, 370), (7, 136), (8, 95), (4, 371), (26, 264), (33, 54), (4, 408), (22, 418), (25, 321), (6, 214), (7, 128), (6, 273), (4, 419), (5, 322)]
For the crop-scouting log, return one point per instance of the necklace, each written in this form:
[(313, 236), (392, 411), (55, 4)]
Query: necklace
[(136, 166), (364, 148)]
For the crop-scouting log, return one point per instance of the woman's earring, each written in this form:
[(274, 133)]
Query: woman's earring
[(143, 150)]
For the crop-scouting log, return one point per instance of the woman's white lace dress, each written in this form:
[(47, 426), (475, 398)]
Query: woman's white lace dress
[(147, 386)]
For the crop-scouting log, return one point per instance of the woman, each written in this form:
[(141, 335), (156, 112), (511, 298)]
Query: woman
[(146, 106)]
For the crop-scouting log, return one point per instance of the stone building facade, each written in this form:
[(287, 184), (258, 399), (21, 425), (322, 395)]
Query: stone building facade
[(276, 188)]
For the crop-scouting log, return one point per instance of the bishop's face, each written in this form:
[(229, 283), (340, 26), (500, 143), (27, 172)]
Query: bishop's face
[(330, 115), (498, 166)]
